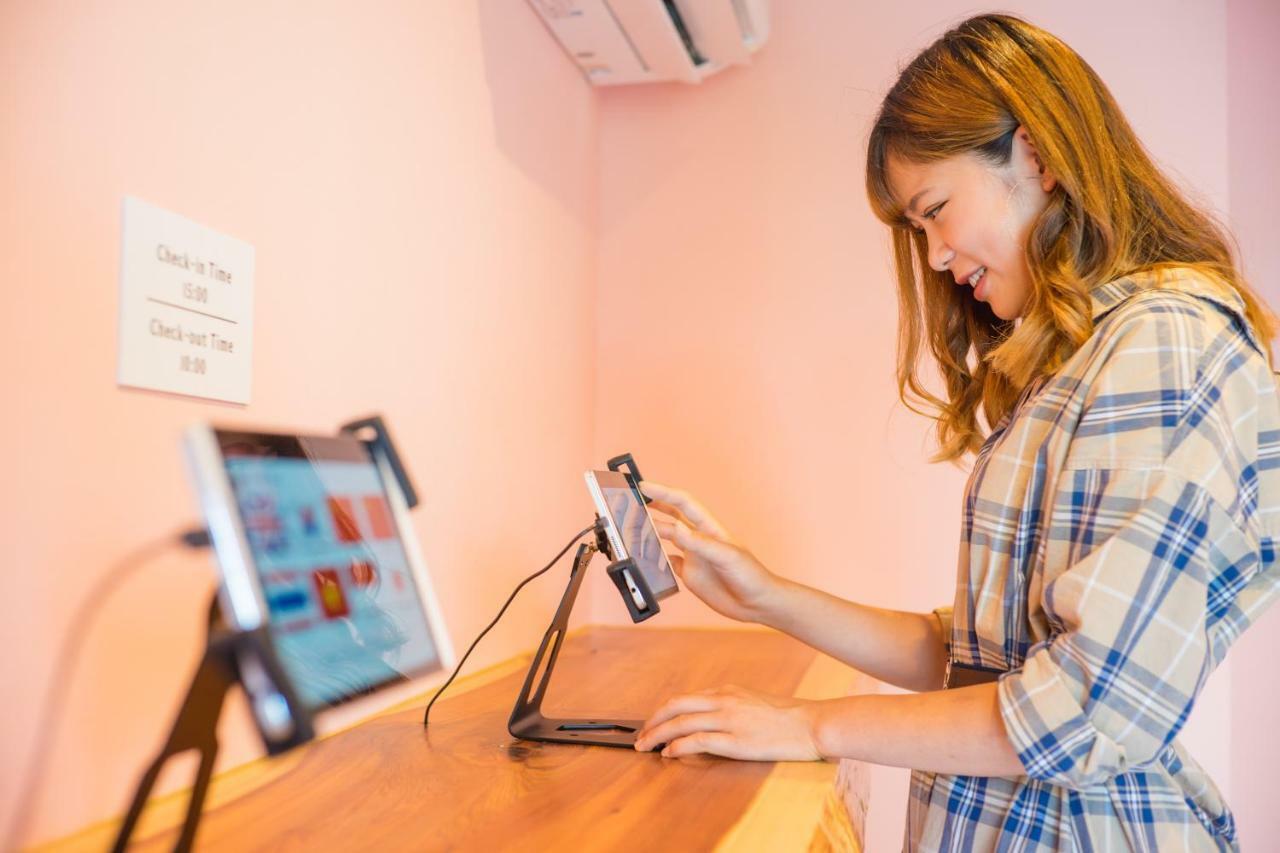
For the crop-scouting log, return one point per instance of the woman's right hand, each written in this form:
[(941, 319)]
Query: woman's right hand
[(715, 568)]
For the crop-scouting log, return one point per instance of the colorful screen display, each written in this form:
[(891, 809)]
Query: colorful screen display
[(343, 602)]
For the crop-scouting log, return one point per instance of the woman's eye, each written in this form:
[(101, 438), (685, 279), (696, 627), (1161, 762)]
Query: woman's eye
[(933, 211)]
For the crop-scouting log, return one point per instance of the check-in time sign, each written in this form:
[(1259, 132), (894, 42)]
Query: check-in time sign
[(186, 307)]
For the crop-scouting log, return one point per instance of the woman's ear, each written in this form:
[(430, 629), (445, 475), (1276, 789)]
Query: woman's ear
[(1027, 159)]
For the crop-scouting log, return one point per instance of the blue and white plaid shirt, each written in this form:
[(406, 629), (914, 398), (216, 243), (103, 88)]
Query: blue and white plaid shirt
[(1119, 535)]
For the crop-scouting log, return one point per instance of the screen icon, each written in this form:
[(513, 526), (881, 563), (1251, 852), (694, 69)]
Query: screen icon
[(333, 602)]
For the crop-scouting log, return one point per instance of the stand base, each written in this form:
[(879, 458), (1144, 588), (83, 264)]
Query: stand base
[(619, 733), (526, 720)]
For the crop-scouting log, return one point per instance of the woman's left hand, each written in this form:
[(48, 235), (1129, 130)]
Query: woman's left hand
[(733, 722)]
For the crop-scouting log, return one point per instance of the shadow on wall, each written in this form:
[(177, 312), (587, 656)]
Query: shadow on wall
[(521, 80)]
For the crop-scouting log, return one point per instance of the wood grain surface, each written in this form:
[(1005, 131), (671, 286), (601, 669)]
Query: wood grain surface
[(466, 784)]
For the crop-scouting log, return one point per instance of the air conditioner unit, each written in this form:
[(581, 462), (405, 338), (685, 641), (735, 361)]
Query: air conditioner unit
[(649, 41)]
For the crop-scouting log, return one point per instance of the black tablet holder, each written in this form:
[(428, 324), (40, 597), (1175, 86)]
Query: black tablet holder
[(374, 433), (621, 571), (246, 658), (632, 473), (527, 721)]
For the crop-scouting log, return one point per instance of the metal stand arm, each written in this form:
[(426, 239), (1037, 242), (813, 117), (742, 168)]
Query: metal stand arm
[(527, 720), (230, 658)]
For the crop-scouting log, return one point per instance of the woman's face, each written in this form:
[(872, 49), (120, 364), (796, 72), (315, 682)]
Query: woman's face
[(976, 218)]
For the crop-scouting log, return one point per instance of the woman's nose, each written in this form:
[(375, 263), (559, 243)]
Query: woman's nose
[(940, 254)]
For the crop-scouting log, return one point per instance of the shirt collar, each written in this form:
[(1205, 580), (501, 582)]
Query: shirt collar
[(1106, 297)]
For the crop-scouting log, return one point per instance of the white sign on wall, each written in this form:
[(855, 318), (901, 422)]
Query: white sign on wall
[(186, 307)]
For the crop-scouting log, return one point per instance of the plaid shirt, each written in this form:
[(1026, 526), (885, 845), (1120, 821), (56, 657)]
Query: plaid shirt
[(1119, 530)]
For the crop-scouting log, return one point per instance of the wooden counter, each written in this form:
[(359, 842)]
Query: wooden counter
[(466, 784)]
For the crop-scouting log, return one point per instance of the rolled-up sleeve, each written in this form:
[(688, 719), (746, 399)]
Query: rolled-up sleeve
[(1147, 554), (945, 617)]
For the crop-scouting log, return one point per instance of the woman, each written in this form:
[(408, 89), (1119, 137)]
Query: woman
[(1120, 518)]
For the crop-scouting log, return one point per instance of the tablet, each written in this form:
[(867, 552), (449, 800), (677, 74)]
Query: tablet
[(630, 530), (313, 541)]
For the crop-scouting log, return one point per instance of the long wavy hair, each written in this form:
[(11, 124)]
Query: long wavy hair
[(1112, 213)]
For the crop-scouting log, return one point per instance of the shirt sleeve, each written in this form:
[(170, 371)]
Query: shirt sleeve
[(1130, 648), (1142, 560), (944, 615)]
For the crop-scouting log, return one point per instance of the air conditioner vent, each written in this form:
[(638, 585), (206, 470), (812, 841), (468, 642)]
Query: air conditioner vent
[(649, 41), (683, 31)]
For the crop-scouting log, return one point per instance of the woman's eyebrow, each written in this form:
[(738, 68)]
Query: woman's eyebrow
[(915, 199)]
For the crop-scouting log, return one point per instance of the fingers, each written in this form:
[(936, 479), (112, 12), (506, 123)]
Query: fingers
[(665, 508), (655, 490), (733, 722), (714, 743), (666, 529), (678, 727), (677, 565), (708, 547), (693, 542), (691, 703), (700, 518)]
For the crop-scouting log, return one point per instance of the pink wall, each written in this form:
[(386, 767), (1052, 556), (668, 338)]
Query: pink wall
[(449, 227), (1253, 71), (418, 181), (746, 309)]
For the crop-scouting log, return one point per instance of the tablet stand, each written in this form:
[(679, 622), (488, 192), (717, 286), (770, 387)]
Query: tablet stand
[(230, 658), (245, 658), (373, 431), (527, 721)]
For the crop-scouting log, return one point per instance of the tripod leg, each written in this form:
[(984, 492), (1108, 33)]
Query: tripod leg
[(196, 805), (139, 800)]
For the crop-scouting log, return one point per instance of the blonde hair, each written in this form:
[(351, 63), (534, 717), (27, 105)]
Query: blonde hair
[(1112, 214)]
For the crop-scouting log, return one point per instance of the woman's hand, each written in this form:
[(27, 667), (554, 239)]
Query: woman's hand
[(715, 568), (733, 722)]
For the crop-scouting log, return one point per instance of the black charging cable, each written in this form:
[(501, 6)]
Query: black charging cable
[(60, 681), (597, 527)]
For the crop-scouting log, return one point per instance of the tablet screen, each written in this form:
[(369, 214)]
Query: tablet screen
[(341, 598), (639, 537)]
